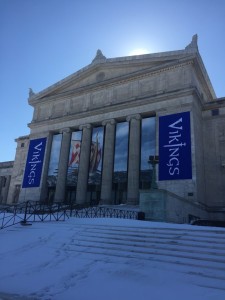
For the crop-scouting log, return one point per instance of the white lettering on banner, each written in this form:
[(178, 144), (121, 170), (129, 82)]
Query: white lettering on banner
[(174, 145), (33, 162)]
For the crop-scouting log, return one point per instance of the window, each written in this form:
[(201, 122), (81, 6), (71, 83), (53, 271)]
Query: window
[(120, 163), (215, 112), (54, 160), (147, 149), (95, 165)]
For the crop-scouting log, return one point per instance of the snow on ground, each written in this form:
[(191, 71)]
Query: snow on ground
[(82, 259)]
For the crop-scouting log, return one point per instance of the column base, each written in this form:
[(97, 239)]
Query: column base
[(105, 202)]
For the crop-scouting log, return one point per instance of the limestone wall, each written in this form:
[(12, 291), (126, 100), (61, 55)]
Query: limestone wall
[(14, 194), (214, 157)]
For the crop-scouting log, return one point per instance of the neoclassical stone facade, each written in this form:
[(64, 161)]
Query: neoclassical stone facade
[(101, 125)]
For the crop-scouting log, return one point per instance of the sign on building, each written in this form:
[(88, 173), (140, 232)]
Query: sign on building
[(33, 169), (175, 147)]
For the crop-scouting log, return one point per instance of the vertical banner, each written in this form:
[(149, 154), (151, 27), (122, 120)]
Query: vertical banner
[(33, 169), (175, 147)]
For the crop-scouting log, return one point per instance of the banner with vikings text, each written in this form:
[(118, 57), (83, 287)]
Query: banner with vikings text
[(175, 147), (35, 157)]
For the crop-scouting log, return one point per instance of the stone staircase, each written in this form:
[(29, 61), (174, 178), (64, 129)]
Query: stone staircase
[(198, 252)]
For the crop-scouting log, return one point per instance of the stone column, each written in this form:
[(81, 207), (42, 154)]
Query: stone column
[(108, 160), (6, 189), (44, 187), (1, 185), (134, 159), (63, 165), (82, 181)]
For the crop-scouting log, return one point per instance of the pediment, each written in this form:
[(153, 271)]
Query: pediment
[(103, 75), (110, 71)]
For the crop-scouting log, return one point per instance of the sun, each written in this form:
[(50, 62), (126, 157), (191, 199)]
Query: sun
[(138, 51)]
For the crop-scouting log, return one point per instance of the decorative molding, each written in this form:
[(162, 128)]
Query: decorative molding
[(133, 117), (31, 93), (109, 121), (65, 130), (99, 57), (193, 44), (85, 126)]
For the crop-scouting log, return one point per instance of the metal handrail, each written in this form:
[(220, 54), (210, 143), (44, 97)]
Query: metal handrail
[(104, 212), (32, 211), (35, 211)]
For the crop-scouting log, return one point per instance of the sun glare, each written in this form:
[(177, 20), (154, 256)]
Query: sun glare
[(138, 51)]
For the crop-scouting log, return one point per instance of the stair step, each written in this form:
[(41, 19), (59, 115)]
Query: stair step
[(155, 244), (197, 252), (177, 240)]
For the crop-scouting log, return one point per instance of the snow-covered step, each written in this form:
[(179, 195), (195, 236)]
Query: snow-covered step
[(181, 264), (213, 244), (210, 261), (156, 236), (203, 235), (200, 252), (154, 240), (158, 245)]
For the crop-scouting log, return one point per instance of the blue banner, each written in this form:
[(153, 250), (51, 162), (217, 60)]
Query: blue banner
[(175, 147), (35, 157)]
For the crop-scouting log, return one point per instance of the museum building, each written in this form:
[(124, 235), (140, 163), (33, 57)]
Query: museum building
[(143, 130)]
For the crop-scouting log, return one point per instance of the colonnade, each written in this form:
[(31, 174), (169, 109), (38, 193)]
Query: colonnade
[(107, 164)]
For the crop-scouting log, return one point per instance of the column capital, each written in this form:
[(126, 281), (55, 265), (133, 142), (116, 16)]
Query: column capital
[(109, 121), (87, 126), (65, 130), (131, 117)]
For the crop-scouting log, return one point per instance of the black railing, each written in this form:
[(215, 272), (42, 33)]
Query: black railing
[(104, 212), (11, 214), (28, 212)]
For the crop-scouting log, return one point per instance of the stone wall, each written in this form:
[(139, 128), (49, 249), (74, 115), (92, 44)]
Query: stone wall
[(6, 169), (14, 194)]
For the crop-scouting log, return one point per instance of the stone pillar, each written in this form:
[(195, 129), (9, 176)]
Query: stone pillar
[(44, 187), (6, 189), (134, 159), (63, 165), (1, 185), (108, 160), (82, 181)]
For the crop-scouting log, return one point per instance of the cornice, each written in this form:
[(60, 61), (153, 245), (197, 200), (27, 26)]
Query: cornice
[(214, 104), (203, 77), (6, 164), (21, 138)]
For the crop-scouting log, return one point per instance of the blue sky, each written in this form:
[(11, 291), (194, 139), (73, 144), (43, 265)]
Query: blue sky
[(43, 41)]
